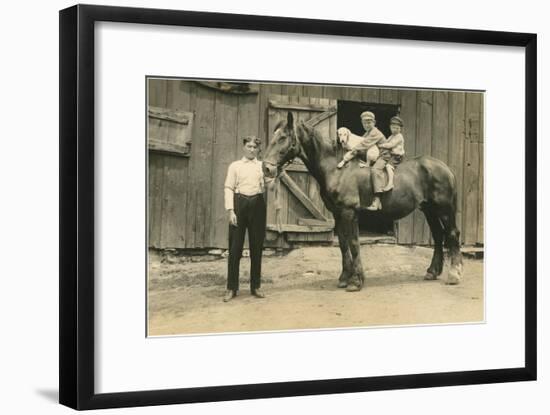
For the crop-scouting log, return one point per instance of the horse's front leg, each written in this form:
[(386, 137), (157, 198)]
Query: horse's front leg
[(347, 263), (350, 226)]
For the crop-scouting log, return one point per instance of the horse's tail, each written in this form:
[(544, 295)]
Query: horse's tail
[(442, 196)]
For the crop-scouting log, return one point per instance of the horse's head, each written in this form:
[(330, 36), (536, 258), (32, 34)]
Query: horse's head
[(283, 147)]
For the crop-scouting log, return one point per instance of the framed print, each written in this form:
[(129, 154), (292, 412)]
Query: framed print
[(258, 206)]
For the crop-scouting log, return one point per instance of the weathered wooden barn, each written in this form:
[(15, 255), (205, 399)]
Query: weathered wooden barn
[(195, 131)]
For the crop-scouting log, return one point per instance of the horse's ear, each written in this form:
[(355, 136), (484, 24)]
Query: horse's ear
[(290, 120)]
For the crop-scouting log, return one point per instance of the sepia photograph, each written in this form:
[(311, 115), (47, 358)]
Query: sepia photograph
[(280, 206)]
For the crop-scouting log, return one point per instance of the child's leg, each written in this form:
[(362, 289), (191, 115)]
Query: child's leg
[(389, 170)]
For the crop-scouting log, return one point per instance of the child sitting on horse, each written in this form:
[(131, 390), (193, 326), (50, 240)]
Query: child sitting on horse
[(391, 154), (370, 139), (393, 149)]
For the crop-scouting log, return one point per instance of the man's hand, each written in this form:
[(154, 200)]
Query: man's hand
[(232, 218), (341, 164)]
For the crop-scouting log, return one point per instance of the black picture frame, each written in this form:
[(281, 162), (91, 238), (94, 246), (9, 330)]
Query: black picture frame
[(76, 279)]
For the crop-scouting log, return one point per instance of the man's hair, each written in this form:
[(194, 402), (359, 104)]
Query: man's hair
[(251, 139)]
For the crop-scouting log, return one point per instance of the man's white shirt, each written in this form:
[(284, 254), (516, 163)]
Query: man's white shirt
[(244, 176)]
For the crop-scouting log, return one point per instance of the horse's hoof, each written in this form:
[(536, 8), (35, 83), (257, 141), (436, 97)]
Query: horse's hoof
[(353, 288), (454, 276), (452, 279), (430, 277), (342, 284)]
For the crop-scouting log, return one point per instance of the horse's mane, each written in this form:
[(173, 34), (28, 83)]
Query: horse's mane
[(333, 144)]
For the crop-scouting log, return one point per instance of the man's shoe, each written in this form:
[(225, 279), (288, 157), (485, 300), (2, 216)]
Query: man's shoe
[(229, 294), (258, 293)]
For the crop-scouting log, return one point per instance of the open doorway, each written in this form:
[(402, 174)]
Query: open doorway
[(349, 116)]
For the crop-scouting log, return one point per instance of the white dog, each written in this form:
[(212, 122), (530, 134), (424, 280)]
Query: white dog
[(350, 140)]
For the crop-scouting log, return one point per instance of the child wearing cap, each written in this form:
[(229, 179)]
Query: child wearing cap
[(372, 137), (393, 149)]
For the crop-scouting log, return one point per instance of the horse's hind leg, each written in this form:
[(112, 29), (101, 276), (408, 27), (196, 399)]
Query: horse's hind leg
[(452, 242), (436, 266)]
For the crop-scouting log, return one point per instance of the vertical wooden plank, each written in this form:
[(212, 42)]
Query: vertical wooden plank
[(471, 178), (440, 141), (313, 91), (408, 101), (457, 132), (371, 95), (471, 169), (389, 96), (174, 205), (481, 205), (334, 92), (156, 178), (480, 212), (423, 147), (264, 92), (355, 94), (200, 171), (179, 94), (223, 153), (293, 91), (157, 92)]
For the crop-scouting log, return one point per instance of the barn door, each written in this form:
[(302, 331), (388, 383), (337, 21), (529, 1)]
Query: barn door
[(295, 208)]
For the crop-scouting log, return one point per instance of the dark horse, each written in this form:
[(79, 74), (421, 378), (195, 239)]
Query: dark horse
[(422, 182)]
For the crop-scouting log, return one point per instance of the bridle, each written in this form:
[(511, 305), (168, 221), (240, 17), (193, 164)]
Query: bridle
[(292, 150)]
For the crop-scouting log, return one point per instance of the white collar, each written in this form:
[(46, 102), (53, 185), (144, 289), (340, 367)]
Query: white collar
[(247, 160)]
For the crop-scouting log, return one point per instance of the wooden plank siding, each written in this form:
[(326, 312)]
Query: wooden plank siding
[(408, 101), (424, 140), (471, 168), (457, 134), (185, 199)]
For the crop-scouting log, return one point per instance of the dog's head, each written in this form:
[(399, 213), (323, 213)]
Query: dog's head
[(343, 135)]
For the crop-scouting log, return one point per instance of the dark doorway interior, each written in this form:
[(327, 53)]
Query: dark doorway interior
[(349, 116)]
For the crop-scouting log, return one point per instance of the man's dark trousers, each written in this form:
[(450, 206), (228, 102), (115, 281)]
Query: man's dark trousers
[(251, 216)]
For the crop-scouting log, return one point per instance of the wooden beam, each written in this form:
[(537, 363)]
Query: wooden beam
[(240, 88), (299, 228), (179, 117), (315, 222), (169, 148), (301, 196), (313, 121), (297, 167), (275, 104)]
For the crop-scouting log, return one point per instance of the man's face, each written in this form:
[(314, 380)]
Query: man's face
[(368, 123), (250, 150)]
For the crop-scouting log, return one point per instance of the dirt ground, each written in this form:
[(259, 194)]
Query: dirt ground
[(185, 297)]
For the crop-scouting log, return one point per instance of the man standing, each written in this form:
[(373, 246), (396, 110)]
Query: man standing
[(244, 201)]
